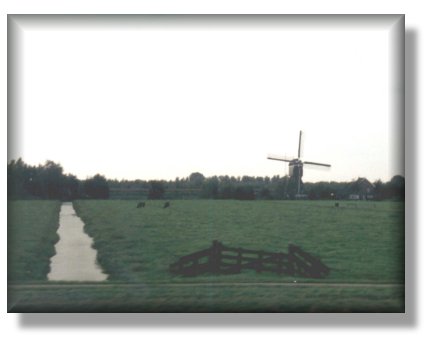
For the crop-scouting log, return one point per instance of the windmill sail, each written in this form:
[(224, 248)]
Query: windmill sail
[(299, 144), (320, 164), (279, 158)]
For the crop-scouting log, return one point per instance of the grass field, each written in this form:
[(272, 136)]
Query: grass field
[(362, 243), (32, 227), (204, 298)]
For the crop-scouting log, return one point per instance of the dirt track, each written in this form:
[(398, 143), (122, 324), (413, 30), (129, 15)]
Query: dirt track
[(222, 284), (75, 259)]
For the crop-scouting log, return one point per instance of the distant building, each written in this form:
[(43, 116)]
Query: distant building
[(362, 189)]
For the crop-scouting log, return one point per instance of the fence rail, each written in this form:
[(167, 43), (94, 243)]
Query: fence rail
[(221, 259)]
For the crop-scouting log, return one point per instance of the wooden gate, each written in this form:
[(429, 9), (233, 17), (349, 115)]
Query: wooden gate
[(221, 259)]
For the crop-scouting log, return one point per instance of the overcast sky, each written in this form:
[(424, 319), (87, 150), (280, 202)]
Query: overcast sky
[(157, 98)]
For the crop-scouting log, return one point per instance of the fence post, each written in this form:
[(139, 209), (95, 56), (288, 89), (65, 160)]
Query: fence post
[(259, 264), (279, 263), (291, 268), (239, 259), (215, 257)]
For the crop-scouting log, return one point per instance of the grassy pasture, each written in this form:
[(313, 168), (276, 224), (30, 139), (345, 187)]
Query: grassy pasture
[(204, 298), (362, 242), (32, 227)]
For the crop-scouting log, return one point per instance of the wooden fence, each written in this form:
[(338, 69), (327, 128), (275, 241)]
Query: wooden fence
[(220, 259)]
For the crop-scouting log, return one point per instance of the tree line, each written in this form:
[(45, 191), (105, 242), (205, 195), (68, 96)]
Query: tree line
[(48, 181)]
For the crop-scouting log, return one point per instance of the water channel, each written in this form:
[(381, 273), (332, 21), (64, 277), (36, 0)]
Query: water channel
[(75, 258)]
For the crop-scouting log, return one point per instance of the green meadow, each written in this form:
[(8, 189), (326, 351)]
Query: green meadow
[(32, 227), (361, 242)]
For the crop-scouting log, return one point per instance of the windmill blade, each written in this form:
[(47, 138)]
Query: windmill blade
[(299, 144), (279, 158), (320, 164)]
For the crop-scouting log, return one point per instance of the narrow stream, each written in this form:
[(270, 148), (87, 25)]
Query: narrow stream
[(75, 259)]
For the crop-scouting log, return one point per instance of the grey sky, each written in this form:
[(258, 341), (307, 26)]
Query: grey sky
[(163, 98)]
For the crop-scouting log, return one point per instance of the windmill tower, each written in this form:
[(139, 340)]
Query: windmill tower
[(296, 165)]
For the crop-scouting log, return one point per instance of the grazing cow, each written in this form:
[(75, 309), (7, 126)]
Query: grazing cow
[(167, 204), (140, 205), (336, 204)]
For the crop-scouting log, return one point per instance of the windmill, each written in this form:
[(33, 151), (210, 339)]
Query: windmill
[(296, 165)]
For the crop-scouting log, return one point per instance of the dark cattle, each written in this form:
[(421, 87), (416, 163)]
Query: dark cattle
[(336, 204), (167, 204), (140, 205)]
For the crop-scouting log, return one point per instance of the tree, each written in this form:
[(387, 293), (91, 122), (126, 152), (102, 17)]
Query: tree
[(71, 188), (379, 190), (196, 179), (210, 188), (265, 193), (96, 187), (244, 192), (283, 188), (156, 190), (52, 180), (226, 191), (397, 187), (16, 179)]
